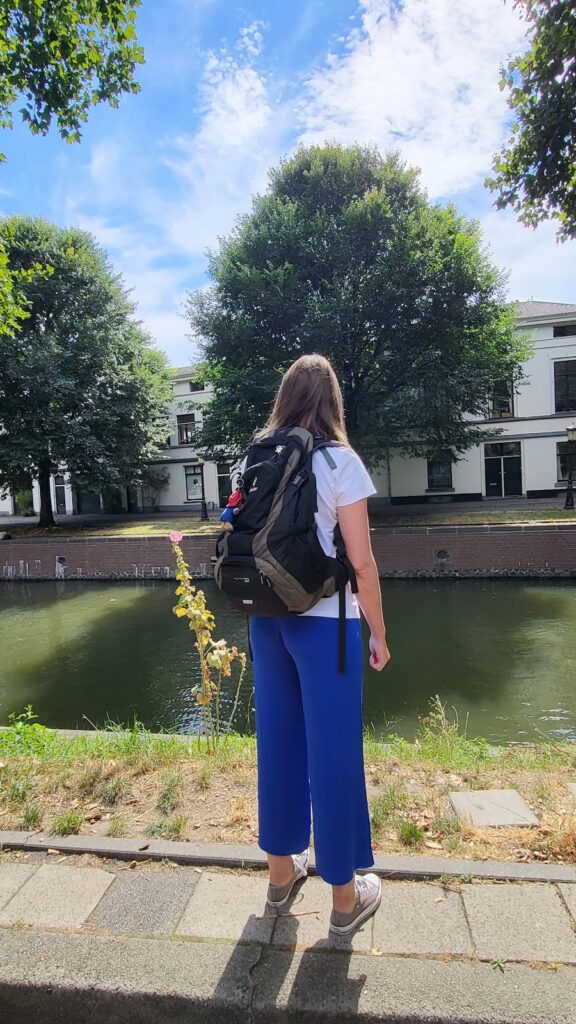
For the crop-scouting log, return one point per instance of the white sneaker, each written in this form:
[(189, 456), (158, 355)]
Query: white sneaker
[(368, 896), (279, 895)]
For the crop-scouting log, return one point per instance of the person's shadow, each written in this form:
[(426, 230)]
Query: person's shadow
[(272, 977)]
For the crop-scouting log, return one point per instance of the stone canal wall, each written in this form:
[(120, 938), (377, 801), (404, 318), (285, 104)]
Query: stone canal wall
[(456, 551)]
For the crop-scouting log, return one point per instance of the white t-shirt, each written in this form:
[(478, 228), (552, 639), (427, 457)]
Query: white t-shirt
[(347, 483)]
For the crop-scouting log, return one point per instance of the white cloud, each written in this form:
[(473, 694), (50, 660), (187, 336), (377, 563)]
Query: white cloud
[(226, 160), (540, 267), (421, 77)]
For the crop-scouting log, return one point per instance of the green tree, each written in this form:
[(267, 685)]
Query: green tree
[(59, 59), (535, 172), (80, 385), (344, 255), (63, 57)]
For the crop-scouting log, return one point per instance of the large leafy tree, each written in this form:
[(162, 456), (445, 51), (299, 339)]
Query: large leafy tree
[(535, 172), (80, 385), (63, 57), (344, 255), (59, 59)]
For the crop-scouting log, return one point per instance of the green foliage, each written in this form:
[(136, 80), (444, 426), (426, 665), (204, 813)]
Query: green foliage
[(168, 798), (410, 834), (80, 385), (169, 828), (535, 172), (67, 824), (24, 735), (63, 57), (17, 791), (383, 806), (112, 790), (345, 255), (31, 816), (89, 781)]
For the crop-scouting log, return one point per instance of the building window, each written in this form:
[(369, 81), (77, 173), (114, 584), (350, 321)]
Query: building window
[(196, 385), (497, 450), (562, 460), (193, 482), (502, 406), (439, 473), (565, 331), (565, 385), (187, 425)]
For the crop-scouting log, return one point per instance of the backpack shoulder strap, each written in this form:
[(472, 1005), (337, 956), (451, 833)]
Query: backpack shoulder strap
[(322, 445)]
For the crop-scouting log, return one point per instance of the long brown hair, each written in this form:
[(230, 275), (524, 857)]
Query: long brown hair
[(309, 396)]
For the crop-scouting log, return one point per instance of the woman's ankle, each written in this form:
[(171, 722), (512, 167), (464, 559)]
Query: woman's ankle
[(281, 869), (344, 896)]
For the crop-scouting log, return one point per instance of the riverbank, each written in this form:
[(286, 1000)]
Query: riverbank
[(135, 784)]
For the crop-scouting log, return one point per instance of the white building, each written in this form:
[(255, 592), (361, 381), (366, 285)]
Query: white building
[(529, 459)]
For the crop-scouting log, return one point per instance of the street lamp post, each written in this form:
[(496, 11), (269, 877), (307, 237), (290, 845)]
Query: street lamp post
[(571, 435)]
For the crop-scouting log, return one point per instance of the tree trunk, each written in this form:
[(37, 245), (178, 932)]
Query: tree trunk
[(46, 513)]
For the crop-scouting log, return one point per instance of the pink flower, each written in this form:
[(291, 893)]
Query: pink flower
[(175, 537)]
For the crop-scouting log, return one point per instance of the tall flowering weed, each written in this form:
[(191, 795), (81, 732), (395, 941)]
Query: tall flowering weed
[(216, 657)]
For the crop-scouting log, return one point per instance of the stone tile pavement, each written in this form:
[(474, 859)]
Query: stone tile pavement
[(88, 942)]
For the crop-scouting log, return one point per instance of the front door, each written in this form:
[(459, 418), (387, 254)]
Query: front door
[(493, 470), (503, 469), (60, 492), (512, 475)]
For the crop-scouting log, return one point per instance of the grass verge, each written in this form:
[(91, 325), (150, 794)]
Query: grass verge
[(132, 783)]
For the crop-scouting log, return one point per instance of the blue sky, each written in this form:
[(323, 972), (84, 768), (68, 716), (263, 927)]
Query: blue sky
[(230, 88)]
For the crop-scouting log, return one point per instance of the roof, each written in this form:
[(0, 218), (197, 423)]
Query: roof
[(183, 371), (532, 310)]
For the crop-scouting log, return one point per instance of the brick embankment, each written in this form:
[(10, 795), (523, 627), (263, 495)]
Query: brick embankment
[(413, 551)]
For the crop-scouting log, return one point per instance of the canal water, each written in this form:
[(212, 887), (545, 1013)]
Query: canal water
[(502, 652)]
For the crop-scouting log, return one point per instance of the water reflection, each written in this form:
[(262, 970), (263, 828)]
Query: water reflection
[(502, 652)]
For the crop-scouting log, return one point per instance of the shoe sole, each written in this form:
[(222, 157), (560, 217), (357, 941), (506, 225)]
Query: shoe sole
[(366, 913)]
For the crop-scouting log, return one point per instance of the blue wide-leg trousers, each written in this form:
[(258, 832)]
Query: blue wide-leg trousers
[(309, 742)]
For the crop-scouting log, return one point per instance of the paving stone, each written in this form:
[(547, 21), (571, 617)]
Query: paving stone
[(572, 787), (144, 903), (519, 922), (228, 907), (568, 891), (73, 978), (12, 878), (57, 897), (299, 928), (314, 987), (492, 807), (410, 921)]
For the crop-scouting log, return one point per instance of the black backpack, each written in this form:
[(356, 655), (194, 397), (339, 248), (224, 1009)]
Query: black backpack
[(269, 559)]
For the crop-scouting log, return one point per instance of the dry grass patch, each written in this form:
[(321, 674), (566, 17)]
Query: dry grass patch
[(134, 784)]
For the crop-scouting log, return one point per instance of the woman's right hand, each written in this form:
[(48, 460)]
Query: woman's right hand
[(379, 653)]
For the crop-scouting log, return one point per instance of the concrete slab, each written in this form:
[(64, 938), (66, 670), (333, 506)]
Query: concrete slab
[(569, 894), (228, 907), (415, 917), (93, 979), (12, 878), (144, 903), (492, 807), (306, 924), (57, 897), (572, 787), (519, 922), (315, 987)]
